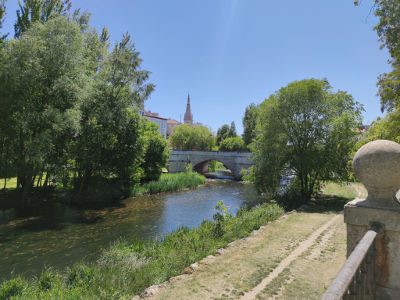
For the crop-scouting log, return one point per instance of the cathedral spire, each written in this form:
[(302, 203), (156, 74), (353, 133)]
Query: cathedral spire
[(188, 118)]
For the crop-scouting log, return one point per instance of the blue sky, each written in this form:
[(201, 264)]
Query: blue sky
[(229, 53)]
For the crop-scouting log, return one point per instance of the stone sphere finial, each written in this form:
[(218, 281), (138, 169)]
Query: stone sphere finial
[(377, 166)]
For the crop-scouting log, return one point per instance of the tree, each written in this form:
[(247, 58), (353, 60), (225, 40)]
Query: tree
[(222, 133), (2, 16), (307, 128), (226, 131), (387, 128), (31, 11), (156, 152), (388, 30), (233, 144), (186, 137), (249, 123), (232, 130), (40, 91), (111, 143)]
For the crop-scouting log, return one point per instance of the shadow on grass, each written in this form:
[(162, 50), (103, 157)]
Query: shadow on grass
[(320, 204), (326, 204)]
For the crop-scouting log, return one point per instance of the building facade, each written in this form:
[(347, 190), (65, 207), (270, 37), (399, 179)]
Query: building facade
[(171, 125), (161, 122)]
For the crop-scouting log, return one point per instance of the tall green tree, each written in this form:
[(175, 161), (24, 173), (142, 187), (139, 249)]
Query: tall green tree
[(232, 130), (110, 143), (222, 133), (307, 128), (41, 84), (226, 131), (249, 123), (31, 11), (186, 137)]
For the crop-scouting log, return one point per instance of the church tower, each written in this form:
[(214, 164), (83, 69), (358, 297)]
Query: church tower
[(188, 118)]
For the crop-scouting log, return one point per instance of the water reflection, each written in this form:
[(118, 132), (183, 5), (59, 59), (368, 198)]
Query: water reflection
[(58, 235)]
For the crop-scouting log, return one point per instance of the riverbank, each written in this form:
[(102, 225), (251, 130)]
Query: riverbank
[(170, 183), (128, 268), (296, 257), (103, 195)]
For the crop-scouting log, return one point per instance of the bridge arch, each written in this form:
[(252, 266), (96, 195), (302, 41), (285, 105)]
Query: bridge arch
[(234, 161), (202, 167)]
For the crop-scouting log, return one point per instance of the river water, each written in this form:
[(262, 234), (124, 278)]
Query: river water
[(59, 235)]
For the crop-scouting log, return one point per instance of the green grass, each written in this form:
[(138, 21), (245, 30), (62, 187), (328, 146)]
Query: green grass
[(11, 182), (170, 183), (344, 190), (127, 268)]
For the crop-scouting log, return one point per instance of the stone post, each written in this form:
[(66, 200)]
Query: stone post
[(377, 166)]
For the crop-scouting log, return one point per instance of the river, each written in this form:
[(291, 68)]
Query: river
[(60, 235)]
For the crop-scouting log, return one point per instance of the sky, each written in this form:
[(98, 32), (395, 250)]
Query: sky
[(229, 53)]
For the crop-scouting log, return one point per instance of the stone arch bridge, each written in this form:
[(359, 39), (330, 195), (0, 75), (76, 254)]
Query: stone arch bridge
[(234, 161)]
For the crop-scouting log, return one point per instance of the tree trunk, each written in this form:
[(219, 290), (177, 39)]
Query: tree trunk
[(46, 180)]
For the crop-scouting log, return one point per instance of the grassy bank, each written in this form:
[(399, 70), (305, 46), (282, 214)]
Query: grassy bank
[(128, 268), (170, 183), (104, 192)]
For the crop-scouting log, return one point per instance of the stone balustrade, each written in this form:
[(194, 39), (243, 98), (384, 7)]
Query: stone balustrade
[(377, 166)]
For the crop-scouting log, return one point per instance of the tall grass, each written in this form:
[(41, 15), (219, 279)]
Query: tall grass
[(127, 268), (170, 183)]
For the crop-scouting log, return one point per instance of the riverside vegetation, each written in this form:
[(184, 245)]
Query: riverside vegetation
[(127, 268), (72, 122)]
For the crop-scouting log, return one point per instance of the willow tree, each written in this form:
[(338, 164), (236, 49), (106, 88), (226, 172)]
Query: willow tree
[(307, 129), (42, 81), (31, 11)]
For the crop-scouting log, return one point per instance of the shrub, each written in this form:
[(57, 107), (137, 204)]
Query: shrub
[(13, 287)]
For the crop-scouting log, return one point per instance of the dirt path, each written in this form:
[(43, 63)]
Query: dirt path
[(305, 245), (260, 266)]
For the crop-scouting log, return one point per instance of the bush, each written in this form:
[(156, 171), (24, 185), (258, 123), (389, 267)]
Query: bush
[(13, 287), (170, 183)]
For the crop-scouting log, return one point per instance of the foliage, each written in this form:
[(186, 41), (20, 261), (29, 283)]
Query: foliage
[(70, 106), (249, 123), (156, 152), (12, 288), (308, 129), (387, 128), (388, 30), (127, 269), (41, 90), (233, 144), (226, 131), (2, 16), (31, 11), (170, 183), (187, 137), (220, 219)]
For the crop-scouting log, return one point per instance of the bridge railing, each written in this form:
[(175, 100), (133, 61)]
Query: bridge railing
[(356, 279), (372, 270)]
